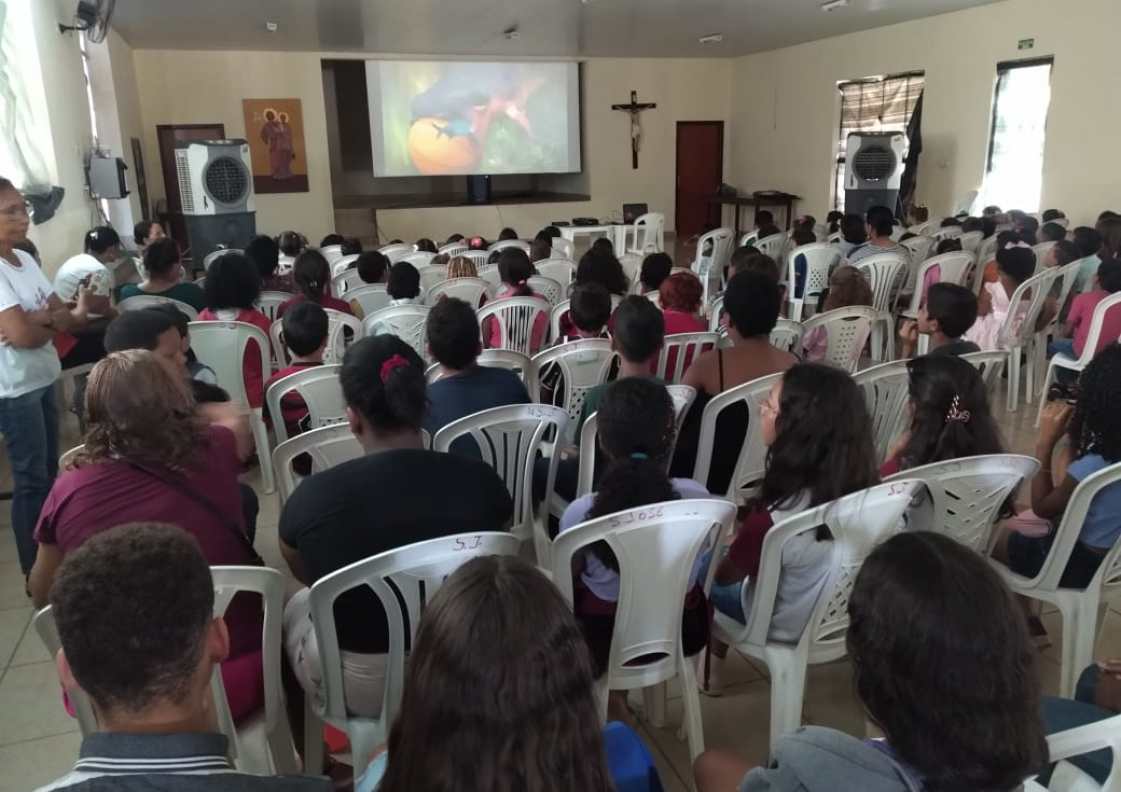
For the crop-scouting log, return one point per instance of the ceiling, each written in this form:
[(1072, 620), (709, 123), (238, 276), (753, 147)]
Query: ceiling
[(552, 28)]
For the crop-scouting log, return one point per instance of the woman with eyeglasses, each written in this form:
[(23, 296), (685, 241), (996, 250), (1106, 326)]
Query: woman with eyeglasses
[(31, 315)]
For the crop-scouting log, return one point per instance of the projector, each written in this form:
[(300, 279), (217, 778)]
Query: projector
[(584, 221)]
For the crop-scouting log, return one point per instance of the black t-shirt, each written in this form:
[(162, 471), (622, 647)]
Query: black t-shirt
[(381, 502)]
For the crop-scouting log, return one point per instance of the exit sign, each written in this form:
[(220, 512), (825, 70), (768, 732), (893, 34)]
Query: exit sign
[(1026, 44)]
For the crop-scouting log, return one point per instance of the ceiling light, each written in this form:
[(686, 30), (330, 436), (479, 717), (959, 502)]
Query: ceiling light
[(833, 5), (711, 38)]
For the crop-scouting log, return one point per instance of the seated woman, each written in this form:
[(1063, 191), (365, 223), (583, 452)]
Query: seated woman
[(950, 416), (599, 265), (751, 305), (165, 273), (656, 267), (145, 233), (515, 269), (819, 448), (149, 457), (635, 433), (312, 276), (232, 287), (848, 286), (943, 667), (529, 717), (680, 297)]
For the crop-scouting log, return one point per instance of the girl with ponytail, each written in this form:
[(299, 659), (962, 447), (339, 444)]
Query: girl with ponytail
[(950, 415), (635, 434), (312, 277), (515, 269)]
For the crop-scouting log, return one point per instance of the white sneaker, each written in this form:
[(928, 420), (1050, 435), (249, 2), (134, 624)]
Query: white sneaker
[(715, 687)]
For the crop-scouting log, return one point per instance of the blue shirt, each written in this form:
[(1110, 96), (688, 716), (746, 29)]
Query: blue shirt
[(1103, 519), (471, 391)]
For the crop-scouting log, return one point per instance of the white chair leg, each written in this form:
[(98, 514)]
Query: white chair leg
[(364, 737), (1048, 378), (1029, 356), (691, 707), (1013, 379), (1084, 637), (264, 455), (788, 686), (313, 739), (654, 702)]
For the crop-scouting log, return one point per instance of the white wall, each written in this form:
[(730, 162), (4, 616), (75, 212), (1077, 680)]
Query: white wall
[(201, 87), (785, 102)]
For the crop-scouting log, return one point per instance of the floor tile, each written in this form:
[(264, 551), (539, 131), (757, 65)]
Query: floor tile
[(31, 703), (33, 763), (12, 586), (13, 622)]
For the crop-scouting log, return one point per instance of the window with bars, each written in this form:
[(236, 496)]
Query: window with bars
[(1014, 171), (874, 104)]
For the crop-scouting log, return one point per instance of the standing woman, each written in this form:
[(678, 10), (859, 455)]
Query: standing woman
[(30, 315)]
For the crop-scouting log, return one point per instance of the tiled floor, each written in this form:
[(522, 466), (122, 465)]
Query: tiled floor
[(39, 742)]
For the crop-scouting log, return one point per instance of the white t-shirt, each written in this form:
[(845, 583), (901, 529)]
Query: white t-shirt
[(25, 370), (76, 269)]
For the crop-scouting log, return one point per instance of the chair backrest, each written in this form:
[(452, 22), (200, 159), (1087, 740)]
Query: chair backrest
[(649, 230), (1019, 326), (1094, 338), (490, 273), (141, 301), (772, 246), (371, 297), (786, 335), (971, 240), (341, 265), (753, 454), (452, 249), (679, 351), (919, 246), (990, 364), (886, 392), (884, 271), (327, 446), (270, 301), (1041, 250), (396, 252), (820, 258), (516, 317), (332, 253), (966, 494), (847, 331), (1102, 735), (502, 244), (222, 345), (430, 276), (953, 267), (346, 280), (548, 288), (407, 322), (555, 316), (506, 359), (508, 439), (583, 365), (858, 523), (667, 537), (338, 322), (421, 258), (404, 581), (561, 270), (715, 312), (949, 232), (565, 247), (319, 387), (721, 242), (217, 254), (470, 290), (45, 626), (479, 257), (68, 456), (1067, 278)]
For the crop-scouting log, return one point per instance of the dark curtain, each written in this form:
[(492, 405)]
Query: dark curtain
[(911, 168)]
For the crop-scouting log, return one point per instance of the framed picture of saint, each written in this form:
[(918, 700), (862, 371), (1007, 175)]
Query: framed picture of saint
[(275, 131)]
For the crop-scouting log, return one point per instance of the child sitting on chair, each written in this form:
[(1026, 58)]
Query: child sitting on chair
[(949, 311), (847, 287), (304, 333), (1077, 327), (1015, 264)]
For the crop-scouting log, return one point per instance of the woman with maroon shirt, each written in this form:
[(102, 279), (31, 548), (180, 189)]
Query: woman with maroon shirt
[(819, 438), (148, 457)]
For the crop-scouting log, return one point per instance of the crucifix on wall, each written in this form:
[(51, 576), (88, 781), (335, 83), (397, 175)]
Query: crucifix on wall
[(634, 108)]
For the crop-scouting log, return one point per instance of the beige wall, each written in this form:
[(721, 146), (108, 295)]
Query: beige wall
[(785, 102), (201, 87)]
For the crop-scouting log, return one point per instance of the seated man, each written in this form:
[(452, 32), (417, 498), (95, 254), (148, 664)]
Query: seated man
[(880, 225), (464, 387), (144, 652)]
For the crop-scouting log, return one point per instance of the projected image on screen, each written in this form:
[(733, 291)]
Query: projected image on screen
[(438, 118)]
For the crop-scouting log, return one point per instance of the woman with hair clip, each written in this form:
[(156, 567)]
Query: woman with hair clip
[(819, 448), (515, 269), (635, 434), (499, 690), (943, 667), (311, 275), (150, 457), (950, 415)]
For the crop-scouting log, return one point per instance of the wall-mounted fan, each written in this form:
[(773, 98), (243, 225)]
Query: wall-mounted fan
[(92, 18)]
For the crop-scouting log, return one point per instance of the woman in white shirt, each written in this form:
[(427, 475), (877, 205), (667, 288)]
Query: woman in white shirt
[(30, 315)]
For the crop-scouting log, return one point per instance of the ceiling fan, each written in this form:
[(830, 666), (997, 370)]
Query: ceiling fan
[(92, 18)]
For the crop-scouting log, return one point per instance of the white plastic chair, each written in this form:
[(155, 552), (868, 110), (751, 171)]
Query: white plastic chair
[(989, 364), (646, 648), (490, 273), (452, 249), (508, 439), (507, 359), (648, 233), (953, 267), (340, 265), (396, 252), (555, 316), (480, 258), (821, 258), (141, 301), (919, 247), (884, 272), (68, 456), (715, 312), (751, 462), (419, 259), (711, 266), (332, 253), (407, 322), (270, 301), (858, 523), (521, 244), (45, 626), (338, 322), (319, 387), (1079, 608), (565, 247), (516, 317), (328, 446), (370, 297), (548, 288), (583, 365), (847, 331), (217, 254), (971, 240), (1019, 339), (1066, 278), (786, 335), (949, 232), (966, 494), (470, 290), (685, 348), (772, 246), (558, 269), (1064, 745), (1041, 250), (222, 346), (404, 581), (343, 282), (886, 392)]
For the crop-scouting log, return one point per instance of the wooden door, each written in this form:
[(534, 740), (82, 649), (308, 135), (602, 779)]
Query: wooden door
[(700, 170), (168, 135)]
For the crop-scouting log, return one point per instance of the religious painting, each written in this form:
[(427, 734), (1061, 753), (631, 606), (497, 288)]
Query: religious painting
[(275, 131)]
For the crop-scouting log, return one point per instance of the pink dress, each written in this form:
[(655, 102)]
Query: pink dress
[(985, 332)]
